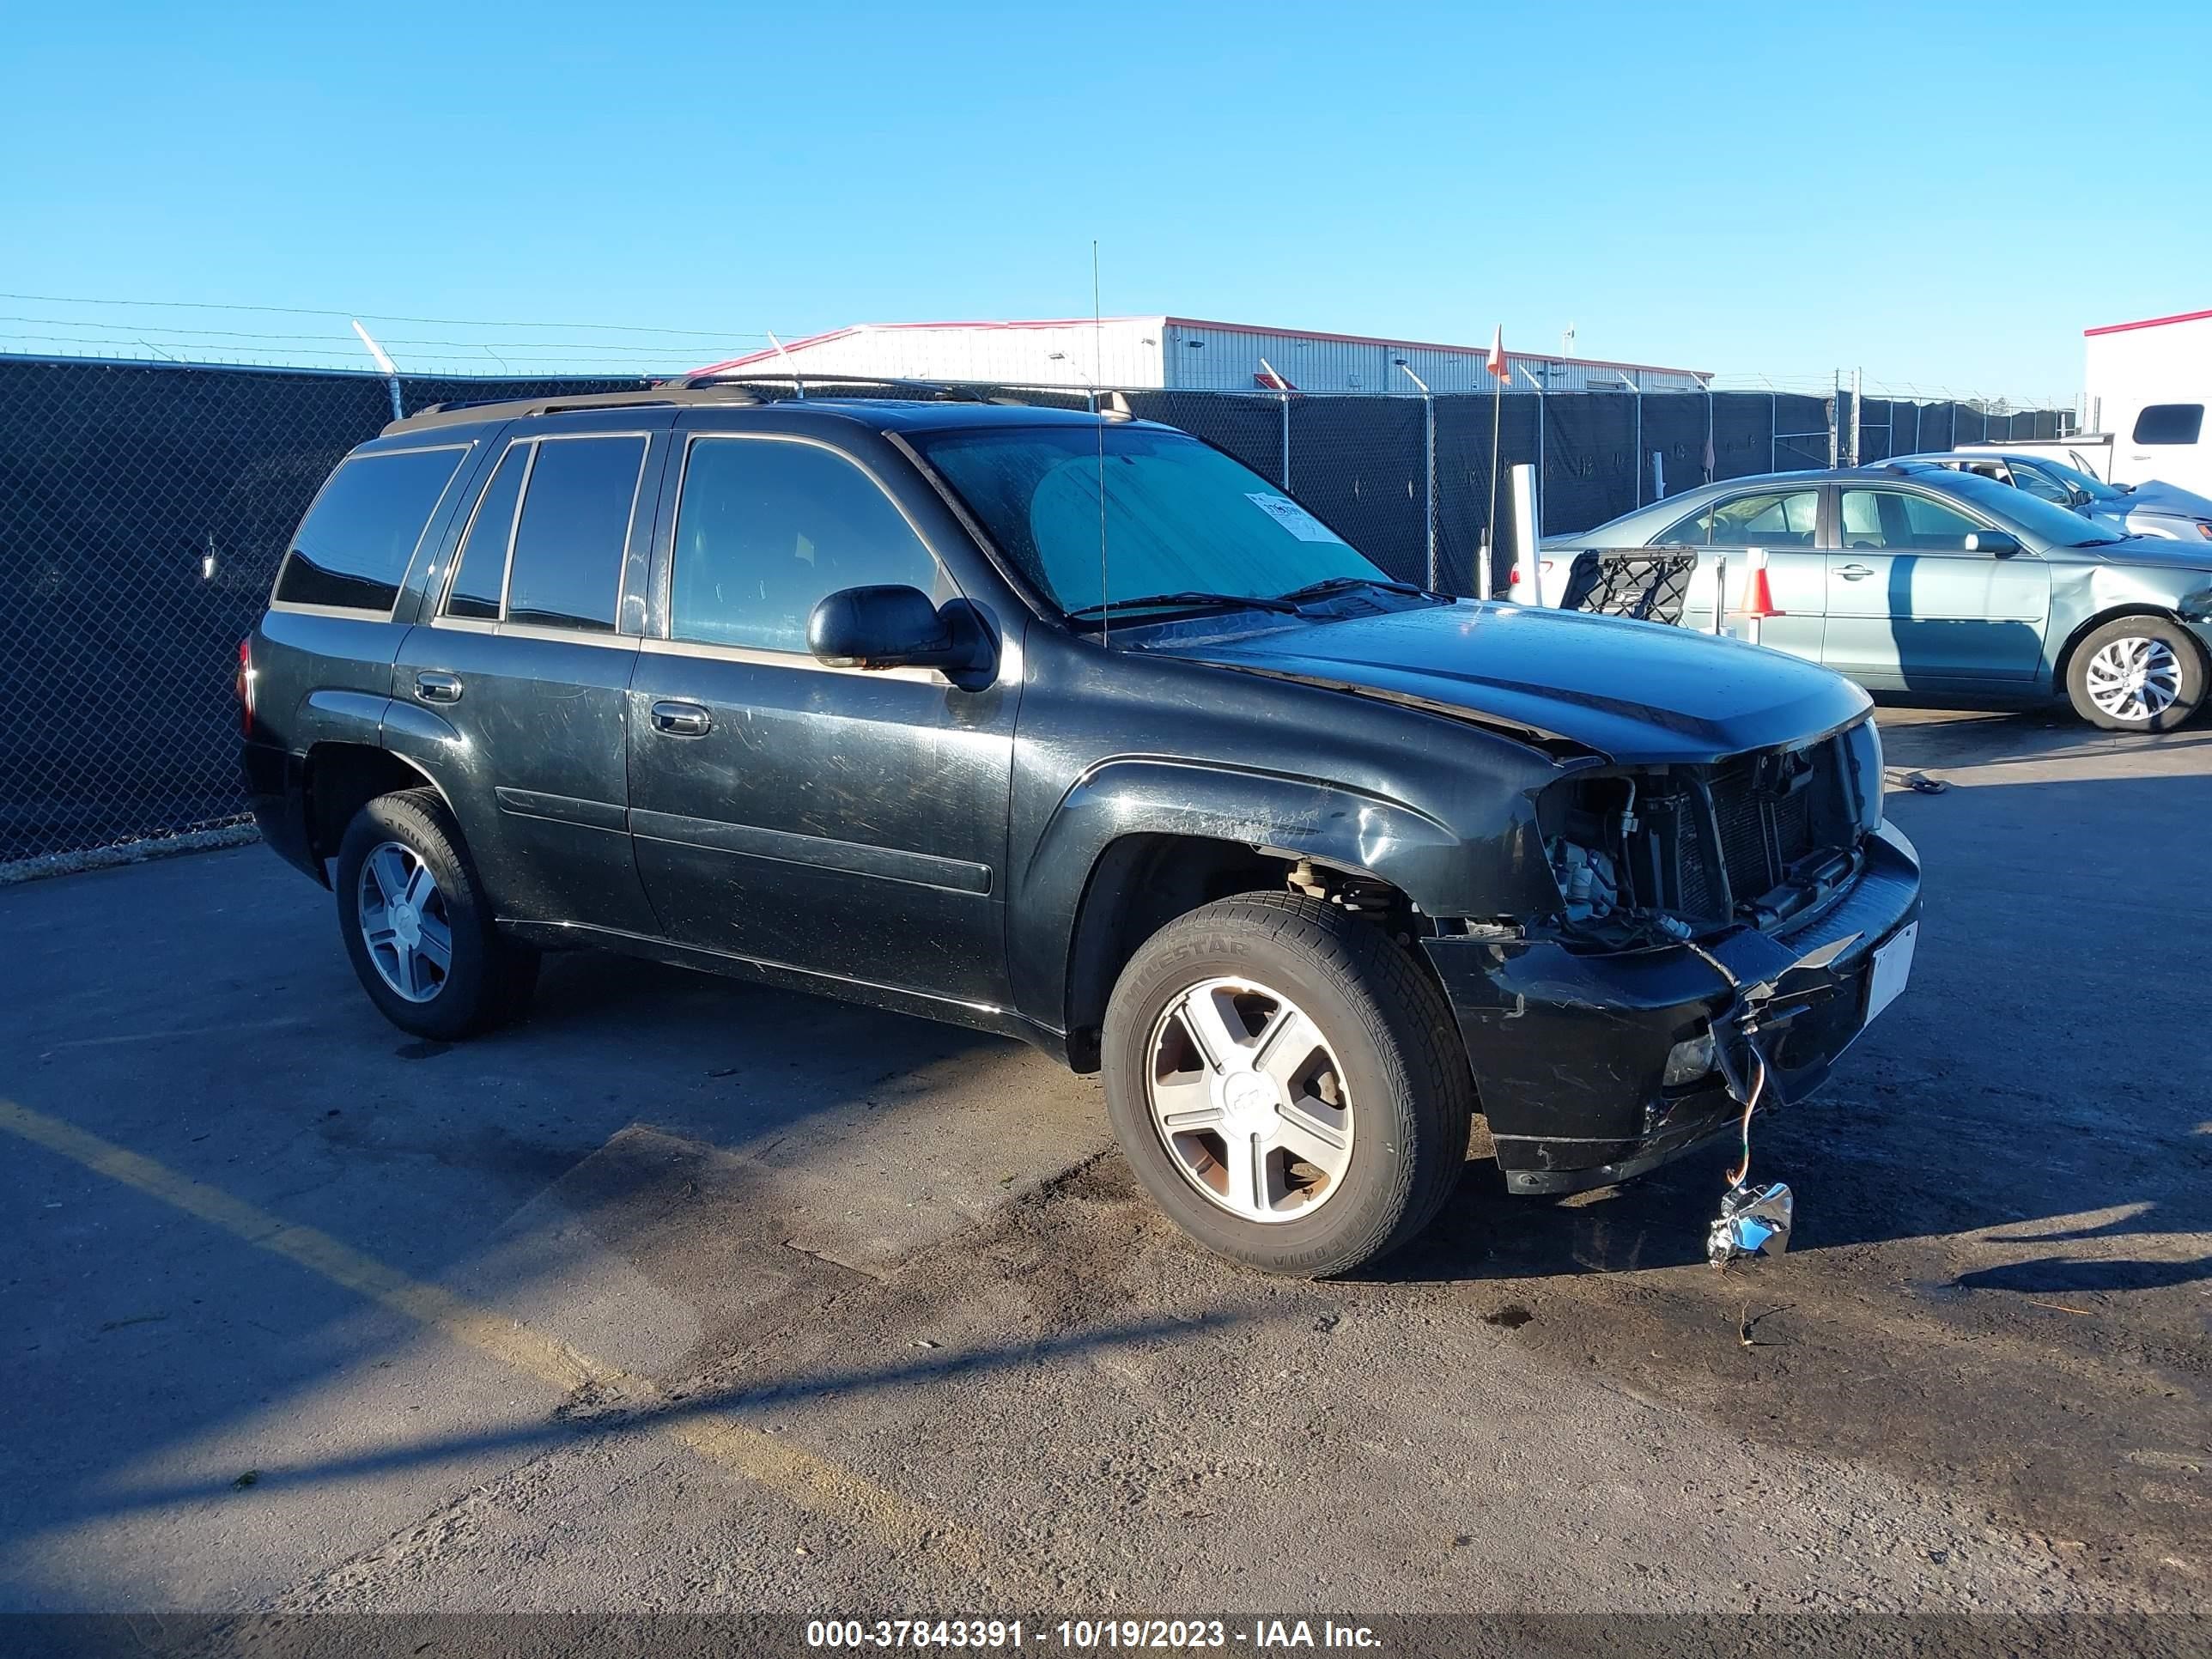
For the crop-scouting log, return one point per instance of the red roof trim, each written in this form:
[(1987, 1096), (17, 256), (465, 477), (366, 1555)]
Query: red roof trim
[(770, 354), (2151, 322), (1027, 322)]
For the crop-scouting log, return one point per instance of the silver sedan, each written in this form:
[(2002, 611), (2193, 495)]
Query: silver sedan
[(2145, 509), (1916, 577)]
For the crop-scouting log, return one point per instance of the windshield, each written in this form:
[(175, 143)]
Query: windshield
[(1180, 517), (2038, 519)]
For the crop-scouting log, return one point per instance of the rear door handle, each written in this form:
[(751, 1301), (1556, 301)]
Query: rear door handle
[(1855, 573), (438, 688), (682, 720)]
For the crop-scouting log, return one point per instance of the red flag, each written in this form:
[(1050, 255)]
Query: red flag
[(1496, 362)]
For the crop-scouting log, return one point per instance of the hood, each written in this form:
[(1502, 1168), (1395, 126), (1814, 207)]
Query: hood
[(1630, 691), (2174, 522), (2153, 497), (2171, 550)]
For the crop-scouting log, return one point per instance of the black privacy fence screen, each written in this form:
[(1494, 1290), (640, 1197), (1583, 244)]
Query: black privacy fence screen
[(144, 508)]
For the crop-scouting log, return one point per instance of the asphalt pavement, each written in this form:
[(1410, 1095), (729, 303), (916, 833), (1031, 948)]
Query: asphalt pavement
[(690, 1296)]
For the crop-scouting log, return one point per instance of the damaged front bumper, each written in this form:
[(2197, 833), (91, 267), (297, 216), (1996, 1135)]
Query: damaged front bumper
[(1569, 1048)]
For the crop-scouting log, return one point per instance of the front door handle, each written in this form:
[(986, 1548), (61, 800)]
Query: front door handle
[(1855, 573), (438, 688), (682, 720)]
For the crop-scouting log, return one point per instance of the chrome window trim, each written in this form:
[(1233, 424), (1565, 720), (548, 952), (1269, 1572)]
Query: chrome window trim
[(390, 612), (509, 630), (760, 657), (663, 625), (350, 612), (439, 617), (514, 529)]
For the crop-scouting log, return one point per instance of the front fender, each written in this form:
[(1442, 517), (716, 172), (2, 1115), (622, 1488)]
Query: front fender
[(1440, 870), (2096, 592)]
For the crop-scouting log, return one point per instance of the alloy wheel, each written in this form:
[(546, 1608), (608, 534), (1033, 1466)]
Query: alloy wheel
[(404, 921), (1249, 1100), (2136, 678)]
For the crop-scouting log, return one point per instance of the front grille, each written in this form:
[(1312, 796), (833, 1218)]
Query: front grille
[(1761, 837)]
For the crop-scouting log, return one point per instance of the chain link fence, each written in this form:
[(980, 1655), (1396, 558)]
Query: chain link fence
[(144, 508), (142, 513)]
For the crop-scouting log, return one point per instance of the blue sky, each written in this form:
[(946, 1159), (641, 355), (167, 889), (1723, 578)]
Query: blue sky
[(1778, 189)]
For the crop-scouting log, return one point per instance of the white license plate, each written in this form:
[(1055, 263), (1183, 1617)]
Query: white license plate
[(1893, 966)]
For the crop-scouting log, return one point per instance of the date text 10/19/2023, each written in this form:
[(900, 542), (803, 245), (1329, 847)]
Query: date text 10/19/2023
[(1090, 1635)]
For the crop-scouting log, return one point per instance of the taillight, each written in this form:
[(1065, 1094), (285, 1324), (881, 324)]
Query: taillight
[(245, 685)]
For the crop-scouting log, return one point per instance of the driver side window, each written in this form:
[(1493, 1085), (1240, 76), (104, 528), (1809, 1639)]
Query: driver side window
[(2038, 483), (1896, 522), (766, 529)]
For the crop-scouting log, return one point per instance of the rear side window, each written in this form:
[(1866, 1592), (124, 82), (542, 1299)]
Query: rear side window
[(567, 567), (2169, 424), (353, 549), (1781, 518), (480, 574)]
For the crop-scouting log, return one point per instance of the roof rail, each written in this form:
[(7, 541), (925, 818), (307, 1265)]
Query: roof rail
[(947, 391), (458, 414)]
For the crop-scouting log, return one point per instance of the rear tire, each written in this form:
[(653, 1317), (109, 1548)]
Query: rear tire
[(2137, 674), (417, 925), (1342, 1093)]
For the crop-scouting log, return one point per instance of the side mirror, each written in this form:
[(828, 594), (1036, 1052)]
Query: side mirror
[(899, 627), (2002, 542)]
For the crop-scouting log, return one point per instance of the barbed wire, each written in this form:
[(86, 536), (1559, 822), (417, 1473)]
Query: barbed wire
[(379, 316)]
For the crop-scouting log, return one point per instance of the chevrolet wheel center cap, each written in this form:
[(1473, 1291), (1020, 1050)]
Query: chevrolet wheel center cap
[(1249, 1101), (406, 923)]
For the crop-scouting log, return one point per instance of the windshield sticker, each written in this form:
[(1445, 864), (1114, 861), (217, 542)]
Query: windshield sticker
[(1293, 517)]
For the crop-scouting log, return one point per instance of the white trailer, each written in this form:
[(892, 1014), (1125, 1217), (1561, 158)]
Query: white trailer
[(2147, 384)]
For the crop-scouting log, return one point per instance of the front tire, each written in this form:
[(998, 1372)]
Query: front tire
[(417, 925), (1286, 1083), (2137, 674)]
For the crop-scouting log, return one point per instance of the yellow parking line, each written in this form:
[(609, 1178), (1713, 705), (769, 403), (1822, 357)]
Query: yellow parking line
[(812, 1483)]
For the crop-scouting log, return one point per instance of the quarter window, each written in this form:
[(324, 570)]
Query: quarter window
[(2169, 424), (1785, 518), (353, 549), (567, 565), (766, 529), (481, 572)]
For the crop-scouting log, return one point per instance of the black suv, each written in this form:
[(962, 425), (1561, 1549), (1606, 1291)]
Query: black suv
[(1070, 727)]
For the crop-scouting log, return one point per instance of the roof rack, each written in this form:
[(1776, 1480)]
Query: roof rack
[(709, 387), (942, 391), (458, 414)]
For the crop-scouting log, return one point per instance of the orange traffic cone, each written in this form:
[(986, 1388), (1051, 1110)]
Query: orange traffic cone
[(1757, 597)]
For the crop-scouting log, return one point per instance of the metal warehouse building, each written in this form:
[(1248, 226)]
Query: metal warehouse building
[(1184, 354)]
